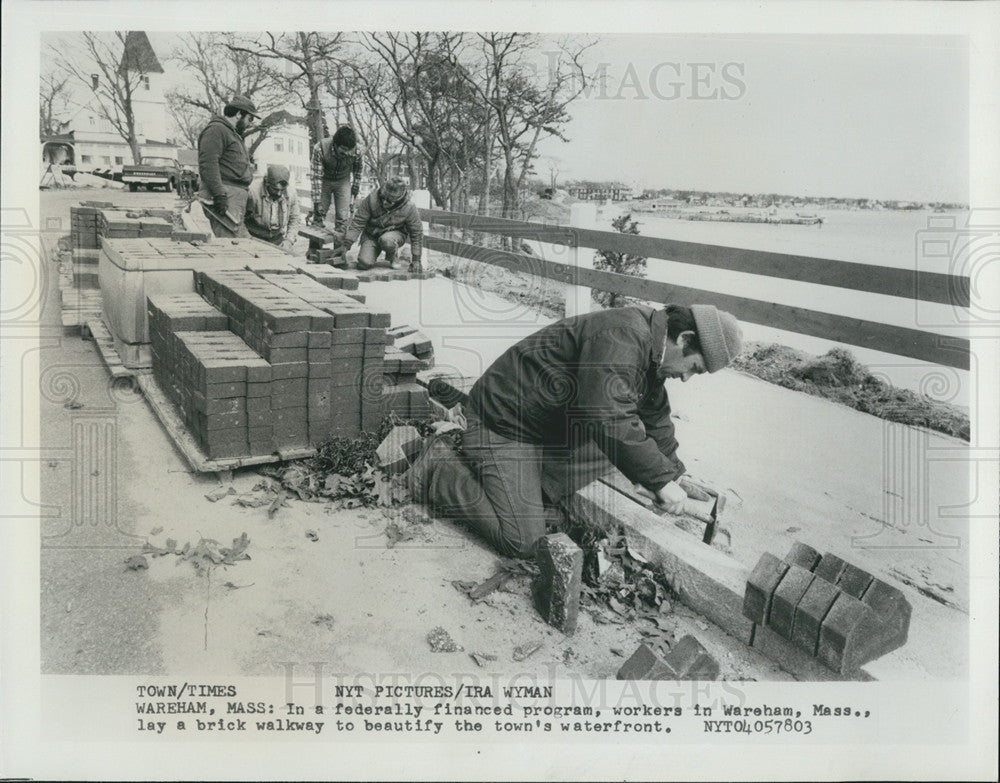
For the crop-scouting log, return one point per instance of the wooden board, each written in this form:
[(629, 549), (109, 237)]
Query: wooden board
[(705, 579), (101, 336), (899, 340), (189, 448), (872, 278)]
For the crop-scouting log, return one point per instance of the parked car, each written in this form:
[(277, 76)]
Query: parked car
[(158, 172)]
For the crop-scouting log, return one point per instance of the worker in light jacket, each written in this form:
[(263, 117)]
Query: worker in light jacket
[(272, 212), (225, 169), (385, 220), (547, 417)]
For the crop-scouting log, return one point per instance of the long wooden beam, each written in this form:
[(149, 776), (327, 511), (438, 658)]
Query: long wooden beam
[(898, 340), (705, 579), (871, 278)]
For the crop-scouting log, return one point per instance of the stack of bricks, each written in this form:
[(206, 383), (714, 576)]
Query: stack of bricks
[(325, 348), (83, 228), (258, 362), (122, 224), (357, 349), (827, 607), (221, 386)]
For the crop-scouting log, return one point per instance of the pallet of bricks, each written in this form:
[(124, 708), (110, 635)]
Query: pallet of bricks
[(263, 363)]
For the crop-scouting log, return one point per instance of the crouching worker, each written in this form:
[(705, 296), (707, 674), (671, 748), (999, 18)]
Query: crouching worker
[(548, 415), (272, 211), (385, 220)]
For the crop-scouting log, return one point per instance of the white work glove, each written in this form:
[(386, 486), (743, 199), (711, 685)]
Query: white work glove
[(671, 496), (287, 245)]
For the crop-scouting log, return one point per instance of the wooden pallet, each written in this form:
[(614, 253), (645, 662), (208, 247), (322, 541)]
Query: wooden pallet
[(101, 335), (170, 418)]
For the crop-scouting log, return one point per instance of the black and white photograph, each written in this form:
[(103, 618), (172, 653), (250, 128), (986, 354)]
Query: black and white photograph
[(400, 391)]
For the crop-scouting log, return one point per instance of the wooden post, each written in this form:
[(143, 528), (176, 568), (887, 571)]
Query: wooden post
[(578, 298)]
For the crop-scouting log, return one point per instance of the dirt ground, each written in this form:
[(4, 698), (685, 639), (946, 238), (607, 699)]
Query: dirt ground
[(347, 599), (340, 596)]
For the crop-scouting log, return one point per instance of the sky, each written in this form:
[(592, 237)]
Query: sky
[(856, 116)]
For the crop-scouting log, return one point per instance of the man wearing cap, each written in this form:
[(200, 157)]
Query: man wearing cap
[(546, 418), (385, 220), (272, 212), (225, 169), (336, 168)]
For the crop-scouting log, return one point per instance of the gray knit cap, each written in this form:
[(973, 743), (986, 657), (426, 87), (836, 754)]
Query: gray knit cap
[(718, 334)]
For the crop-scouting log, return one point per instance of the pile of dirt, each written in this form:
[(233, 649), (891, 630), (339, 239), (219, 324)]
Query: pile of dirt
[(838, 376)]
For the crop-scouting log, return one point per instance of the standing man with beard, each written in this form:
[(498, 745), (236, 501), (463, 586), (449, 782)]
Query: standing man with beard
[(225, 169)]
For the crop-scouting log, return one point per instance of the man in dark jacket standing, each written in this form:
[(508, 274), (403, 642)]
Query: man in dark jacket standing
[(336, 167), (592, 380), (385, 220), (225, 169)]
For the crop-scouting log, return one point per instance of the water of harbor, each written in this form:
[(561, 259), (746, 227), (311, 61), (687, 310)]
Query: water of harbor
[(902, 239)]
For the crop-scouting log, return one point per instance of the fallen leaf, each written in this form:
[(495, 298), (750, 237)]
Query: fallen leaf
[(325, 620), (440, 641), (278, 502), (312, 535), (526, 650), (482, 659), (156, 530), (219, 494), (73, 405), (137, 562), (617, 652)]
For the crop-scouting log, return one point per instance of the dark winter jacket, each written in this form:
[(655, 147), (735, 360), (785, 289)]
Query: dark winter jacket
[(590, 376), (222, 157), (371, 220)]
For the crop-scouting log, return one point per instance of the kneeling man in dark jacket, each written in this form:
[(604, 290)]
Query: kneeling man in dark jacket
[(594, 382), (385, 220)]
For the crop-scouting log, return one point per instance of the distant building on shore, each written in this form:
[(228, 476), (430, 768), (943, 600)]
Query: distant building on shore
[(601, 191)]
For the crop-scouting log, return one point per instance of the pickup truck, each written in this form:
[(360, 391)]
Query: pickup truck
[(157, 172)]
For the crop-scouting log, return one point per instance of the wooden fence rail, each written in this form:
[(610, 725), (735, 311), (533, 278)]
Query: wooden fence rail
[(910, 284)]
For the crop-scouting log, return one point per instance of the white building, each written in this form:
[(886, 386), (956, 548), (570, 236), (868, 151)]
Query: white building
[(96, 143)]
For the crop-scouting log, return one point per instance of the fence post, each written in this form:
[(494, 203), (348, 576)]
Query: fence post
[(422, 200), (578, 298)]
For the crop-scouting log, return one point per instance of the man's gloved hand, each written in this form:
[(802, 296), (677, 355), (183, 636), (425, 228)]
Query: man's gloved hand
[(671, 496), (317, 217), (220, 203), (355, 189), (287, 245), (415, 264)]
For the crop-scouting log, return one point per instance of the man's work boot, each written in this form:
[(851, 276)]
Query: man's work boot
[(418, 477)]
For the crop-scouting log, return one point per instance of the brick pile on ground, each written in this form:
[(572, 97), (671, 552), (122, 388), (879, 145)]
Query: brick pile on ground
[(829, 608)]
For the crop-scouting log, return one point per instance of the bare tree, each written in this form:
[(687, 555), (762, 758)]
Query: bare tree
[(525, 105), (103, 64), (221, 69), (189, 121), (53, 100), (303, 66), (409, 83)]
